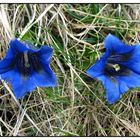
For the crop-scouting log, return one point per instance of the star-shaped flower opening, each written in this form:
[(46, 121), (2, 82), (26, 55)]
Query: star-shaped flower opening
[(25, 68), (118, 68)]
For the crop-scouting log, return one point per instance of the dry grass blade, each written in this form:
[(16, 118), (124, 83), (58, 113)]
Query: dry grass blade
[(5, 22)]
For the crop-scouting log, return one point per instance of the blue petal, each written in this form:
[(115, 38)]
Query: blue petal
[(8, 76), (16, 45), (4, 69), (112, 90), (102, 78), (4, 64), (45, 53), (134, 62), (23, 87), (123, 87), (19, 84), (97, 69), (113, 44), (45, 78), (49, 76), (10, 53), (132, 80)]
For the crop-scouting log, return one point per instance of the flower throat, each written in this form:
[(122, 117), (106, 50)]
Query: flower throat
[(114, 67), (27, 63)]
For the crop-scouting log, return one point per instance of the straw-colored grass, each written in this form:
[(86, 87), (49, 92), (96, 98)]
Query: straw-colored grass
[(77, 106)]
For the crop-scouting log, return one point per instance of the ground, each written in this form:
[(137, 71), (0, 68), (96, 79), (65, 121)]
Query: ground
[(77, 106)]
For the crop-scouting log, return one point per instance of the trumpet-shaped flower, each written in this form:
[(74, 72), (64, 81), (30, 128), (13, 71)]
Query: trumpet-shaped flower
[(118, 68), (25, 67)]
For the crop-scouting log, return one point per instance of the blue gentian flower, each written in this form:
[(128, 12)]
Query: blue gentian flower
[(118, 68), (25, 67)]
